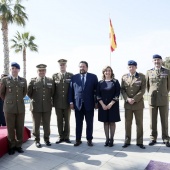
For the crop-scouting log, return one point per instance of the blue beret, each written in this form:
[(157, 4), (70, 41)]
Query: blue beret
[(157, 56), (14, 64), (132, 62)]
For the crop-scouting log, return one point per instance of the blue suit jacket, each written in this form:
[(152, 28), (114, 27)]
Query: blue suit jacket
[(88, 95)]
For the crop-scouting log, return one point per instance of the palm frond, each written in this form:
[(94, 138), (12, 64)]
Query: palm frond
[(23, 41)]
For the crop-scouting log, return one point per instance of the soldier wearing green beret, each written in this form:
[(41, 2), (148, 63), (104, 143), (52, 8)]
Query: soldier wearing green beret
[(40, 91), (158, 87), (61, 104), (13, 90), (133, 87)]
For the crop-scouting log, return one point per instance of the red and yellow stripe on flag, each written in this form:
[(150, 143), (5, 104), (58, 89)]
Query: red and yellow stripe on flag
[(113, 44)]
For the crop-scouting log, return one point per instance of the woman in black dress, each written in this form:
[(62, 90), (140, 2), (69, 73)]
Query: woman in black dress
[(108, 92), (2, 117)]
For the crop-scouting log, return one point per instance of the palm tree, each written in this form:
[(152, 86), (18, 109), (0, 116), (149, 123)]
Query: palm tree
[(21, 43), (10, 13), (166, 63)]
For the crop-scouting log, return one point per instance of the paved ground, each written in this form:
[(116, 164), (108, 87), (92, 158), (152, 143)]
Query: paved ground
[(67, 157)]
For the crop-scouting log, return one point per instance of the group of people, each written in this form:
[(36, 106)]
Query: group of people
[(83, 93)]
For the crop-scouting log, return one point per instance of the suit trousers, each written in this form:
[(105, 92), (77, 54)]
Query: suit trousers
[(139, 125), (46, 118), (15, 127), (63, 122), (79, 115), (163, 110)]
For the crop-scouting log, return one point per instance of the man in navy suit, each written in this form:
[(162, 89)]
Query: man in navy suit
[(82, 98)]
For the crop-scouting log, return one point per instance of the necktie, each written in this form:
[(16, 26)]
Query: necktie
[(82, 81), (63, 76), (131, 78), (42, 81), (15, 79), (158, 71)]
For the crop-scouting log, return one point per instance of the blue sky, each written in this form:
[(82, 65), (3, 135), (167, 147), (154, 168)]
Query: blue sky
[(79, 30)]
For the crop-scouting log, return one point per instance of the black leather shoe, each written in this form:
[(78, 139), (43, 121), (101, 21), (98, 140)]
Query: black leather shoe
[(11, 151), (48, 143), (152, 142), (38, 144), (67, 140), (19, 149), (59, 141), (89, 143), (167, 144), (78, 142), (141, 146), (125, 145)]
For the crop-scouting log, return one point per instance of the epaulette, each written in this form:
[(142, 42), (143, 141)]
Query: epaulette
[(125, 75), (141, 74), (70, 73), (55, 74), (34, 78)]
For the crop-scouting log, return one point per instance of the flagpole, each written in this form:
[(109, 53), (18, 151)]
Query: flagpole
[(110, 60), (109, 43)]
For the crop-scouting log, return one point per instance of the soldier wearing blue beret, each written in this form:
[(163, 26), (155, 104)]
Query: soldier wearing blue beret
[(158, 87), (16, 65), (13, 91), (133, 88)]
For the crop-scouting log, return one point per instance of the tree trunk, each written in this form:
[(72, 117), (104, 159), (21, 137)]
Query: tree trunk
[(6, 48), (24, 63)]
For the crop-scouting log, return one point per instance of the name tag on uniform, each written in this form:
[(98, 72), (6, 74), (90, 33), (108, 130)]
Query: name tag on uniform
[(68, 80), (49, 84), (137, 82), (163, 75)]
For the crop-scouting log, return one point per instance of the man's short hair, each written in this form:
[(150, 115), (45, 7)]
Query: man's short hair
[(84, 62)]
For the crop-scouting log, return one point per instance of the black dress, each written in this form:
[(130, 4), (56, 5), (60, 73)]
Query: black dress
[(108, 91), (2, 117)]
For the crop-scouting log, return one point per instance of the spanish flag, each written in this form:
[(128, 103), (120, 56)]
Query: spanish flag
[(113, 44)]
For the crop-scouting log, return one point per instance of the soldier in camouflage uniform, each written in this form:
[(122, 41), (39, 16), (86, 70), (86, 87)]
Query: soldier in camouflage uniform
[(13, 90), (61, 104), (158, 87), (40, 91), (133, 88)]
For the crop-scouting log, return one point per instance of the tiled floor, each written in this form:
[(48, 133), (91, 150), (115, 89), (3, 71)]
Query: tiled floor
[(67, 157)]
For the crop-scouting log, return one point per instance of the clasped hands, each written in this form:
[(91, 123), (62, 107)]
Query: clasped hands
[(107, 107), (130, 100)]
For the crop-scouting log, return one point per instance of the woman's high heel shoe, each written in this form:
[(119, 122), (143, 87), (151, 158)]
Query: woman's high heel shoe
[(111, 142), (107, 142)]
